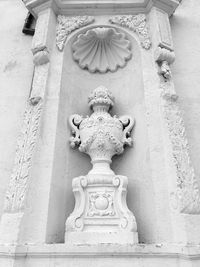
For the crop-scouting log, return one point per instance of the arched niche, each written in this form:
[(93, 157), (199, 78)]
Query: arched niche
[(126, 84)]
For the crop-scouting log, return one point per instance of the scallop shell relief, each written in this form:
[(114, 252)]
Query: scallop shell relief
[(101, 50)]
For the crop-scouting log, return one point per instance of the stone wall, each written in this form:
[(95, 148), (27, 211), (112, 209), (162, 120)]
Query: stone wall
[(16, 69)]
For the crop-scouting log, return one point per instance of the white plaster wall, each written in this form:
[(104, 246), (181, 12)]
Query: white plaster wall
[(15, 81), (185, 25)]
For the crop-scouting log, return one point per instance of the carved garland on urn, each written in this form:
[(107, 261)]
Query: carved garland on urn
[(101, 195), (16, 193)]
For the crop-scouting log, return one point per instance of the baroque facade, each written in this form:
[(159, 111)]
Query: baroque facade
[(137, 203)]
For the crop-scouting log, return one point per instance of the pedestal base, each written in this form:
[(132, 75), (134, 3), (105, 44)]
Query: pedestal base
[(101, 214), (95, 238)]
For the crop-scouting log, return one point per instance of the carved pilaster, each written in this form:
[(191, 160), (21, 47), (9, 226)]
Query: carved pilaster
[(137, 24), (186, 197), (15, 199)]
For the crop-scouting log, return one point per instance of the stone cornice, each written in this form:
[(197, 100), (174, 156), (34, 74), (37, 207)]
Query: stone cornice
[(87, 7), (189, 252)]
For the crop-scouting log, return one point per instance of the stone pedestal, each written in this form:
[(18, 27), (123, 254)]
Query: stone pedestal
[(101, 214)]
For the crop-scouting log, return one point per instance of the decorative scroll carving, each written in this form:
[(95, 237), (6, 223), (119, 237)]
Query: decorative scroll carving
[(102, 50), (16, 192), (101, 195), (187, 195), (164, 58), (66, 25), (136, 23)]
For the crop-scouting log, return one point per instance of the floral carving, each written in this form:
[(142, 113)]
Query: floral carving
[(101, 50), (137, 24), (67, 25), (101, 204), (16, 192), (187, 195)]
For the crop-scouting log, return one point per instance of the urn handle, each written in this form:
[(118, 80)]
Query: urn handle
[(128, 124), (74, 122)]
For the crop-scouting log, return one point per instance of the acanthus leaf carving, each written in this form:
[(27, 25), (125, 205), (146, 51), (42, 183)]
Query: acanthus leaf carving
[(137, 24), (16, 192), (67, 25), (187, 194)]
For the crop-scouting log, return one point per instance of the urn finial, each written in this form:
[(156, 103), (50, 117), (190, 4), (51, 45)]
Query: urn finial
[(101, 96)]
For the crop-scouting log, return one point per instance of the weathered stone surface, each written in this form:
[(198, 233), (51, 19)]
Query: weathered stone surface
[(163, 166)]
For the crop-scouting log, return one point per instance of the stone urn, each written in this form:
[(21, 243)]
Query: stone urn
[(100, 135), (101, 213)]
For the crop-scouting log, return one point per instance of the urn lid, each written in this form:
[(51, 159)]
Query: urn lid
[(101, 96)]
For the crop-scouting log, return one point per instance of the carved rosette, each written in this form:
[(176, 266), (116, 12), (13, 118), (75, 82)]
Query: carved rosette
[(101, 50), (101, 213), (67, 25), (137, 24)]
